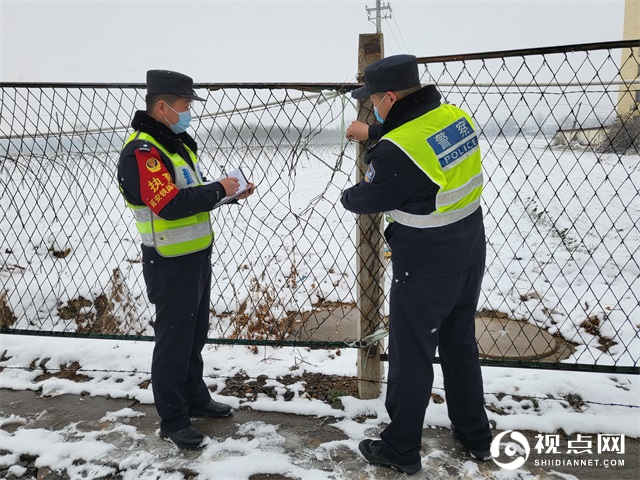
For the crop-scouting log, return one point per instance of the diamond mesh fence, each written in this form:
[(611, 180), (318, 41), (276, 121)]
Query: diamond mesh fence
[(560, 138)]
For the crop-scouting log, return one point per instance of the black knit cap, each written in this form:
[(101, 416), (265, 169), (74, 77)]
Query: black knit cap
[(390, 74), (166, 82)]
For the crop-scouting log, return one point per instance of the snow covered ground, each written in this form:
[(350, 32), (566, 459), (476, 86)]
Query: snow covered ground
[(517, 399), (561, 226)]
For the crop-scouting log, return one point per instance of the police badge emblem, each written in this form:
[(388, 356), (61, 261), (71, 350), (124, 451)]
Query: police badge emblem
[(153, 165)]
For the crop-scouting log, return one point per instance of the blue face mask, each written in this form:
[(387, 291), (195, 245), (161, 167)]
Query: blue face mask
[(375, 110), (184, 119)]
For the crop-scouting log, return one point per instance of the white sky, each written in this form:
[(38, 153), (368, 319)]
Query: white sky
[(267, 41)]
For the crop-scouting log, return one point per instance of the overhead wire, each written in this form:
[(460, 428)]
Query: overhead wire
[(395, 38), (401, 36)]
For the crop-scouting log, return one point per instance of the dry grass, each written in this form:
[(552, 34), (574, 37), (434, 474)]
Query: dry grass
[(100, 315), (326, 388), (69, 372), (259, 322), (7, 318), (492, 314), (592, 326)]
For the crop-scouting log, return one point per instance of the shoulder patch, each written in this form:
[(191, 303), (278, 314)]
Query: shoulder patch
[(156, 185)]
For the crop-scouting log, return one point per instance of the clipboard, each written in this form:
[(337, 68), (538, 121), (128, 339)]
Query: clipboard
[(242, 179)]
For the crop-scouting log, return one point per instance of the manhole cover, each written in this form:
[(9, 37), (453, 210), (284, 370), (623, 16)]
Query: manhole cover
[(499, 337), (503, 338)]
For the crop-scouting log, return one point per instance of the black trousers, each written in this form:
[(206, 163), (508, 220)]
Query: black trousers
[(423, 315), (180, 290)]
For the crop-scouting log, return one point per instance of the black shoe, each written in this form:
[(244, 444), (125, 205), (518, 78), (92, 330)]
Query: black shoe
[(372, 451), (188, 438), (480, 455), (212, 409)]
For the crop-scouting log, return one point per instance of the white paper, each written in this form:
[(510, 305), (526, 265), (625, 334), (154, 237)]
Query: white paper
[(237, 173)]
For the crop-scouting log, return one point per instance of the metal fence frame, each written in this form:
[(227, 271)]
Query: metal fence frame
[(365, 112)]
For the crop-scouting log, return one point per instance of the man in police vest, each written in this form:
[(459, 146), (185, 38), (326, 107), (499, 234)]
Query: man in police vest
[(425, 173), (161, 181)]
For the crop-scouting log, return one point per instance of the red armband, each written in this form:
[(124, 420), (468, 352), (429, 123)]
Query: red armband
[(156, 185)]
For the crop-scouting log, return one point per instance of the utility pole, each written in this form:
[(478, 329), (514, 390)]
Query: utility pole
[(574, 136), (575, 121), (378, 9)]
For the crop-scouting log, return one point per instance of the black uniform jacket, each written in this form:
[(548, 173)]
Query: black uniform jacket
[(393, 181), (179, 203)]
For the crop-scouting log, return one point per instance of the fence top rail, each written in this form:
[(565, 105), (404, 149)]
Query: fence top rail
[(345, 87), (310, 87), (523, 52)]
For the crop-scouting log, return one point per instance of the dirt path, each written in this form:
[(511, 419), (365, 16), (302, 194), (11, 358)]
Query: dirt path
[(304, 438)]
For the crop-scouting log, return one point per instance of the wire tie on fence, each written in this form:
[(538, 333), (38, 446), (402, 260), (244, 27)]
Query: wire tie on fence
[(369, 340)]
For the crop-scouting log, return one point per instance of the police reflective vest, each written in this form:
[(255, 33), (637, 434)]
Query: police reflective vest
[(444, 144), (173, 238)]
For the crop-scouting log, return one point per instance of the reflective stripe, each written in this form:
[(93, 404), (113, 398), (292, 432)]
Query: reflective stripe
[(452, 196), (147, 239), (434, 219), (176, 235), (143, 214)]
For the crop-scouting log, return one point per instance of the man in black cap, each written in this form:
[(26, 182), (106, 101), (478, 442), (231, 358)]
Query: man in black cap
[(161, 181), (425, 174)]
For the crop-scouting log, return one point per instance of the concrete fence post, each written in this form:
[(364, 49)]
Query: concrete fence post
[(369, 245)]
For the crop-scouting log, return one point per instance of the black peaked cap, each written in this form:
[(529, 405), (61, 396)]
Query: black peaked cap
[(390, 74), (166, 82)]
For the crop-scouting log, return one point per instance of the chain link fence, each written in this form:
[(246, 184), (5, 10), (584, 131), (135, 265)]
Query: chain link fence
[(561, 205)]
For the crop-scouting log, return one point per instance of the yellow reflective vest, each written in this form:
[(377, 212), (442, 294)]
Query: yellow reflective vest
[(174, 238), (443, 143)]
